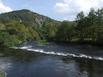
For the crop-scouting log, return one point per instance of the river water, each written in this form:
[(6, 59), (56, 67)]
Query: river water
[(52, 60)]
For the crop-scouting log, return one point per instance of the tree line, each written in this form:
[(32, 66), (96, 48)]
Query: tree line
[(85, 29)]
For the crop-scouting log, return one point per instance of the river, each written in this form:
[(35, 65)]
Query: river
[(52, 60)]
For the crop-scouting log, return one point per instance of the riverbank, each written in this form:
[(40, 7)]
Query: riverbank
[(87, 42)]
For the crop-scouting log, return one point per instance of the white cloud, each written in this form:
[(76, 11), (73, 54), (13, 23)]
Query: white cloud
[(4, 8), (62, 7), (72, 7)]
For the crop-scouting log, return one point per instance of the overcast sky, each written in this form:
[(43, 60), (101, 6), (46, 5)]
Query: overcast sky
[(56, 9)]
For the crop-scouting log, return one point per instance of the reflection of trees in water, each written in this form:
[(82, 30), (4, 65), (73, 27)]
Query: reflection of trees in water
[(73, 67), (79, 67), (86, 68), (21, 55), (66, 60), (90, 67)]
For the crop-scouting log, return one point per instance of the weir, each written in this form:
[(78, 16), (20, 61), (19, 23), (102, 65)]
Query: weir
[(29, 48)]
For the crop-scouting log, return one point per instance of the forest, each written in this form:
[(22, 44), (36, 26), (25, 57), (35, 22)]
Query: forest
[(23, 25)]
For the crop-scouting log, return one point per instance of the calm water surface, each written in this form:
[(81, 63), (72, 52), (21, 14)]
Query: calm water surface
[(21, 63)]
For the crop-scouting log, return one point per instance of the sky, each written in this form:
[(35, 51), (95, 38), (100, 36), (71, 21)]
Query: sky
[(56, 9)]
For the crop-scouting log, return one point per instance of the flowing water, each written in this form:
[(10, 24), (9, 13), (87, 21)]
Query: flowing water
[(52, 60)]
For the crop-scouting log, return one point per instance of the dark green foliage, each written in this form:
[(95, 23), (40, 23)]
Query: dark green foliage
[(90, 27), (20, 26), (65, 32), (49, 30), (15, 32), (23, 25)]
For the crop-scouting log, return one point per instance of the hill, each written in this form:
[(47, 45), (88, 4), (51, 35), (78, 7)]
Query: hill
[(24, 25)]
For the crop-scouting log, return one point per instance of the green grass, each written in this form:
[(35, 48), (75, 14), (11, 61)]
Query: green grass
[(2, 74), (42, 42)]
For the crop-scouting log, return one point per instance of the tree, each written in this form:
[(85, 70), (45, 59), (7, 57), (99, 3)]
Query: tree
[(80, 25), (65, 32)]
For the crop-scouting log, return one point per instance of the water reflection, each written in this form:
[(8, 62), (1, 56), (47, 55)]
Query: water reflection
[(17, 63), (91, 67)]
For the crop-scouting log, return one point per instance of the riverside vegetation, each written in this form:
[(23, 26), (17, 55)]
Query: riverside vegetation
[(21, 26)]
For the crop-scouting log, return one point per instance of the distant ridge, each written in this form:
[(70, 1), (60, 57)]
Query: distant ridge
[(23, 25), (25, 16)]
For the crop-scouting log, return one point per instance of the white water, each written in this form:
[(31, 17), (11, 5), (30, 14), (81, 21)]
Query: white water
[(29, 48)]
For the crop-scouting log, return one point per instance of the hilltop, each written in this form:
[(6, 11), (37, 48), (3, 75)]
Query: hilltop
[(23, 25)]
